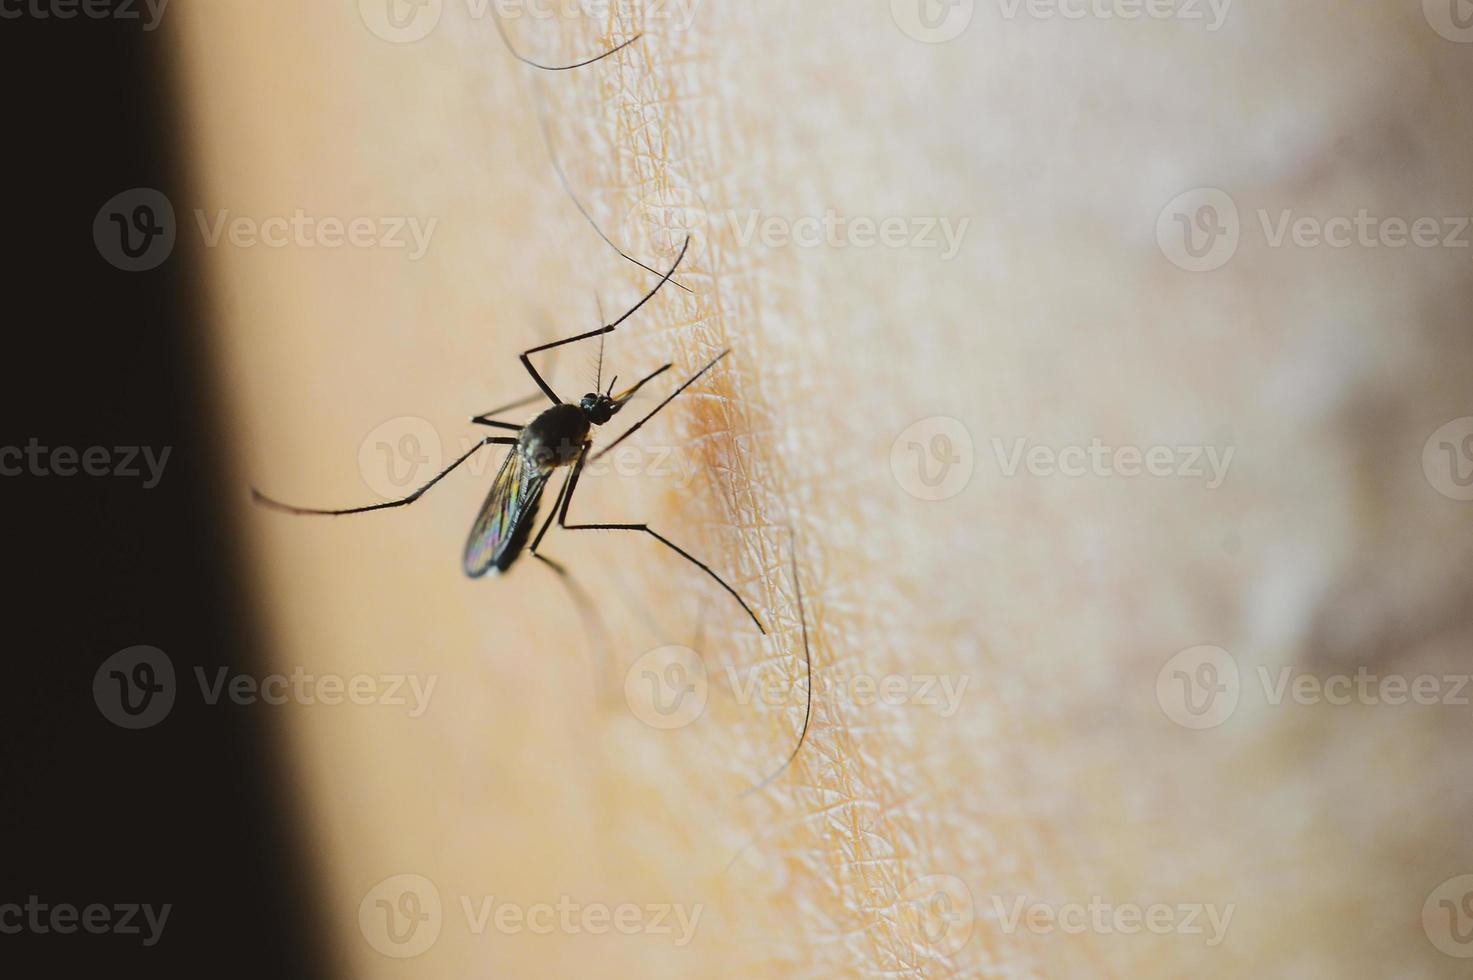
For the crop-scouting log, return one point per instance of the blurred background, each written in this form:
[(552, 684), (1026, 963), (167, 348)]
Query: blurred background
[(1096, 425)]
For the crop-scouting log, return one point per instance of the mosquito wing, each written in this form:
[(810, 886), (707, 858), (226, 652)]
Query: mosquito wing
[(501, 528)]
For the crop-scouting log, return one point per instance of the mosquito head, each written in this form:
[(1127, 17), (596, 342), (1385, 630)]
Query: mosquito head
[(598, 408)]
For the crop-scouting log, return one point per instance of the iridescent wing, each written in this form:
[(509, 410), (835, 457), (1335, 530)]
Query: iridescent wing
[(510, 510)]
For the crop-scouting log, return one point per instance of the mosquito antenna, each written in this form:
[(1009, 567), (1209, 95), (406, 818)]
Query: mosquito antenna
[(808, 665), (599, 374), (562, 178), (501, 29), (611, 385)]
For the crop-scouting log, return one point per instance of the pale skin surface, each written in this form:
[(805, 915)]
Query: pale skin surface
[(1059, 778)]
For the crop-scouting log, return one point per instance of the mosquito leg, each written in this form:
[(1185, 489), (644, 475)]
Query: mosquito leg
[(526, 355), (646, 529), (501, 29), (562, 177), (668, 399), (266, 501), (558, 503), (485, 418)]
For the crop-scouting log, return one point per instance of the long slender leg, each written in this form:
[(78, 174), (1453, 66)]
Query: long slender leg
[(526, 360), (485, 417), (266, 501), (562, 177), (668, 399), (646, 529), (557, 505), (629, 393), (501, 29), (808, 666)]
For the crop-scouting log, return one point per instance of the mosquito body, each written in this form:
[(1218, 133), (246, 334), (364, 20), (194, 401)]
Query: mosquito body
[(558, 437)]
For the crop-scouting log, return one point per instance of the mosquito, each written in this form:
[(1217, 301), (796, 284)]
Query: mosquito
[(560, 436)]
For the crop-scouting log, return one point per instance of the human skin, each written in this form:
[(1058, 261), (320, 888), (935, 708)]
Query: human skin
[(1060, 779)]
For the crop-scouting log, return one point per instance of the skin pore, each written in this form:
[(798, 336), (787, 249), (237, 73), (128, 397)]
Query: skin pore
[(993, 782)]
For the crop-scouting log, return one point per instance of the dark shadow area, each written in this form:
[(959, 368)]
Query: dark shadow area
[(97, 819)]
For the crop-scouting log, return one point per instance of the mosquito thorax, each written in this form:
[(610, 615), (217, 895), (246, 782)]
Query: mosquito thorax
[(555, 437)]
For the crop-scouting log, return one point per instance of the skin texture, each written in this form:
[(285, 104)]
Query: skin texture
[(1060, 776)]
